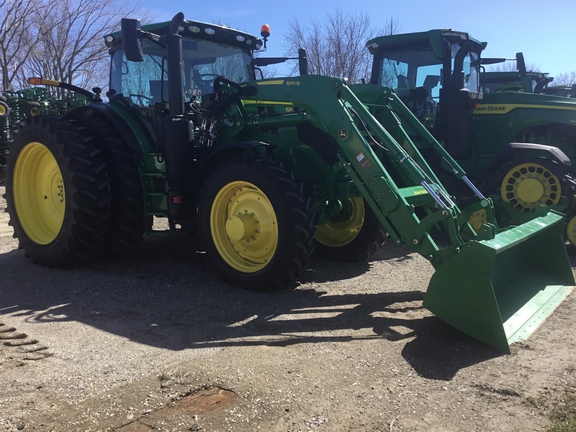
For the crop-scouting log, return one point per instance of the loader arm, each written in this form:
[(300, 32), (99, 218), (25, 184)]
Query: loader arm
[(406, 195), (494, 285)]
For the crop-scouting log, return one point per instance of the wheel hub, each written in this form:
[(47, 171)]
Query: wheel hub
[(241, 227), (530, 190), (248, 235), (340, 233), (528, 185)]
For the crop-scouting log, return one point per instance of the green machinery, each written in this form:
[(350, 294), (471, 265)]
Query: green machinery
[(521, 80), (268, 171), (15, 106), (515, 146)]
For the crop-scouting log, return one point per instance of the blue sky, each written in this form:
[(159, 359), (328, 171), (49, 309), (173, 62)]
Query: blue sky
[(544, 31)]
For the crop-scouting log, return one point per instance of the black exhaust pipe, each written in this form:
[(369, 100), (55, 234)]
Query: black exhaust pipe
[(178, 131)]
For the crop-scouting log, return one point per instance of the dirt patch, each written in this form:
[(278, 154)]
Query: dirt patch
[(128, 341)]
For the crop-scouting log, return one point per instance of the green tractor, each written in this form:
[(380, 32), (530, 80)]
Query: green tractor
[(268, 172), (520, 80), (518, 147)]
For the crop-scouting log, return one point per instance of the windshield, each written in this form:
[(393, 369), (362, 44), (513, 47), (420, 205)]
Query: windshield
[(146, 82), (420, 68)]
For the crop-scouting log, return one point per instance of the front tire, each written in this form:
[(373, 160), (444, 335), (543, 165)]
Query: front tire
[(57, 192), (255, 223), (354, 238)]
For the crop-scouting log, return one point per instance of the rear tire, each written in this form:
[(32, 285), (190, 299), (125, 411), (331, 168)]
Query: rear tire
[(255, 223), (128, 222), (57, 192), (352, 240)]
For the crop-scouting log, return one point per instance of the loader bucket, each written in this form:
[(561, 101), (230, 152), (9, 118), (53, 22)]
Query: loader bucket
[(499, 291)]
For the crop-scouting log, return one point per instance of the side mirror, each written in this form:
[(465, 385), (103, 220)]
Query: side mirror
[(131, 39), (302, 61)]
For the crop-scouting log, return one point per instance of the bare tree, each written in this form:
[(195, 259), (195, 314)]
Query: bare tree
[(566, 78), (511, 66), (391, 26), (337, 46), (18, 37), (72, 48)]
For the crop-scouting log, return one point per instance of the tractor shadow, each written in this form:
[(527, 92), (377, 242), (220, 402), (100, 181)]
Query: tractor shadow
[(166, 295)]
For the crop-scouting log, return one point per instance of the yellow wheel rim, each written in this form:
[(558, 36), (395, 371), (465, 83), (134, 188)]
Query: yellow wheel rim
[(39, 195), (528, 185), (338, 234), (244, 226), (477, 219), (3, 110), (35, 111), (571, 230)]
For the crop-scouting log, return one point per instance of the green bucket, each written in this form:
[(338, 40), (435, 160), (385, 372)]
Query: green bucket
[(499, 291)]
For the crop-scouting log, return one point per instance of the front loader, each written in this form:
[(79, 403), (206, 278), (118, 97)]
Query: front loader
[(265, 170)]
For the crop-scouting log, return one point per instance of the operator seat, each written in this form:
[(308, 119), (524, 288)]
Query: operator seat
[(205, 86)]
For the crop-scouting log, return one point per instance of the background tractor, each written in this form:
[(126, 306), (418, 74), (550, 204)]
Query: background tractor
[(504, 140), (268, 171), (15, 106), (521, 80)]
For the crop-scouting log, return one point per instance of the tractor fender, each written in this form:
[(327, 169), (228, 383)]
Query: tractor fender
[(228, 151), (530, 150), (121, 125)]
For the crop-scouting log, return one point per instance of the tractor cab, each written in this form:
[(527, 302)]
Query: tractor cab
[(428, 67), (208, 51), (431, 60)]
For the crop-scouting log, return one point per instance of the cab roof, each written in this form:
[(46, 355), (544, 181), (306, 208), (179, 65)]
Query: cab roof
[(201, 30), (432, 38)]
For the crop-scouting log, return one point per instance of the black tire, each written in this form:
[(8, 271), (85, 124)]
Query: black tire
[(57, 192), (275, 215), (366, 242), (128, 222)]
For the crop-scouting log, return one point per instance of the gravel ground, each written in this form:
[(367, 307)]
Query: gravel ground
[(156, 341)]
